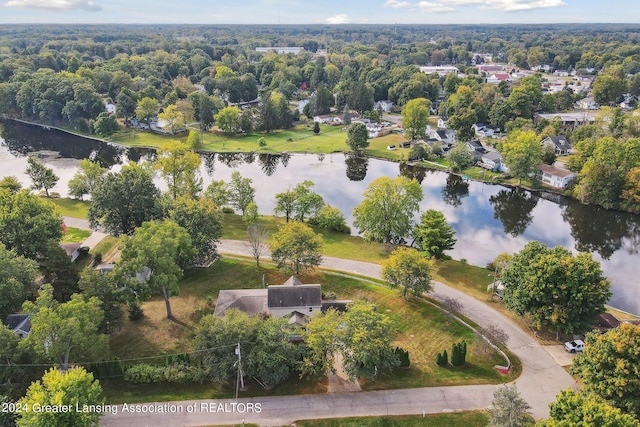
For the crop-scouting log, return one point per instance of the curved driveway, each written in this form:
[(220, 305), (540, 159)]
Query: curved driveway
[(540, 382)]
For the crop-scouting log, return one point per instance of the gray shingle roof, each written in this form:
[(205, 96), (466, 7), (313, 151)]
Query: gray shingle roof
[(294, 296), (250, 301)]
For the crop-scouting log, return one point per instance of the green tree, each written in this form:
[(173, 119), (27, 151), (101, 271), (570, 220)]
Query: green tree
[(106, 124), (228, 119), (28, 224), (522, 153), (408, 269), (42, 176), (178, 165), (459, 157), (58, 270), (295, 248), (462, 123), (321, 338), (433, 235), (357, 137), (286, 203), (307, 202), (509, 409), (555, 289), (86, 178), (332, 219), (162, 247), (17, 280), (123, 201), (173, 117), (578, 409), (126, 106), (73, 388), (146, 109), (107, 289), (607, 89), (194, 140), (250, 215), (64, 332), (415, 117), (610, 367), (202, 221), (631, 193), (385, 213), (366, 338), (241, 193)]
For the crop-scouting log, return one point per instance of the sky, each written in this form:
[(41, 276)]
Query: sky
[(318, 12)]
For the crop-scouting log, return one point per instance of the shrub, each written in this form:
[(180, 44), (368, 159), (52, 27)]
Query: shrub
[(442, 359), (316, 128), (227, 210), (403, 356), (135, 311), (330, 295), (459, 354), (262, 142), (174, 373), (332, 219)]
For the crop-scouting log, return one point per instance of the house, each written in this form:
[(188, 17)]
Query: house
[(556, 177), (19, 324), (384, 106), (490, 68), (562, 73), (588, 104), (559, 143), (492, 161), (296, 50), (476, 148), (293, 300), (105, 268), (338, 120), (446, 136), (324, 118), (499, 77), (482, 130), (443, 122), (441, 70), (606, 321)]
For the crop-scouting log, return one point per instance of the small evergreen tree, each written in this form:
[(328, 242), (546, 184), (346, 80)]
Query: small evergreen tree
[(316, 128)]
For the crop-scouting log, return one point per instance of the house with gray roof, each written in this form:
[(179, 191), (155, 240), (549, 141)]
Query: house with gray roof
[(19, 324), (559, 143)]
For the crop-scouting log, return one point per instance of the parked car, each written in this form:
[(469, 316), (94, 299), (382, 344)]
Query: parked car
[(391, 147), (575, 346)]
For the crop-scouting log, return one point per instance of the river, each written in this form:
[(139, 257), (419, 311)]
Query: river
[(488, 219)]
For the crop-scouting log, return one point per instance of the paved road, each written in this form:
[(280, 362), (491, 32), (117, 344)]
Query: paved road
[(541, 380)]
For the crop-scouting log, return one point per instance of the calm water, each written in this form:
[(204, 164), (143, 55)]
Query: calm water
[(488, 219)]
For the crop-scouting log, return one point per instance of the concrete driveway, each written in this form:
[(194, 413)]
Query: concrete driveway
[(562, 357), (541, 380)]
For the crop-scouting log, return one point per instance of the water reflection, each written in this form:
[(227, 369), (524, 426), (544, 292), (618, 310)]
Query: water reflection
[(268, 163), (513, 208), (357, 166), (455, 190), (413, 171)]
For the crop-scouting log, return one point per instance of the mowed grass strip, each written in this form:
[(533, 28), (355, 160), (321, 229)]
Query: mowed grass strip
[(71, 207), (423, 329), (459, 419), (75, 235)]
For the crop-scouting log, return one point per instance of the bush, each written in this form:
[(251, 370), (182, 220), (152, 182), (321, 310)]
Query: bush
[(459, 354), (442, 359), (135, 311), (174, 373), (262, 142), (403, 356), (330, 295), (332, 219), (227, 210), (97, 258)]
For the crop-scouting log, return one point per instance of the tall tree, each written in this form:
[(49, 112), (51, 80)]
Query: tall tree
[(385, 213), (123, 201), (286, 203), (146, 109), (408, 269), (295, 247), (555, 289), (162, 247), (178, 165), (17, 280), (578, 409), (459, 157), (28, 224), (257, 238), (522, 153), (202, 221), (357, 137), (73, 388), (415, 117), (228, 119), (86, 178), (321, 338), (308, 203), (65, 332), (241, 193), (509, 409), (433, 234), (42, 176), (609, 367), (174, 118), (107, 289)]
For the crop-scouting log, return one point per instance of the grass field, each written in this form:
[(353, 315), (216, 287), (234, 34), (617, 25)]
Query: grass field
[(75, 235), (71, 207), (423, 330), (460, 419)]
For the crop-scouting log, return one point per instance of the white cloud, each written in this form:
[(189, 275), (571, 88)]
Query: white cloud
[(430, 7), (507, 5), (53, 4), (398, 4), (340, 18)]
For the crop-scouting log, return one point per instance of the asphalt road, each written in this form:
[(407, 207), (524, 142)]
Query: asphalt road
[(541, 380)]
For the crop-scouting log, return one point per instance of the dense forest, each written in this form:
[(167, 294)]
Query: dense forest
[(63, 75)]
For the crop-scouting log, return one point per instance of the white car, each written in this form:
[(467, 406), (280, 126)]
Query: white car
[(575, 346)]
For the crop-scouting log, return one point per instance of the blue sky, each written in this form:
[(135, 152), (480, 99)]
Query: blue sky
[(320, 11)]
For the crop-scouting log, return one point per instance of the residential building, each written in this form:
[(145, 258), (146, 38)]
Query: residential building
[(443, 122), (499, 77), (569, 120), (281, 49), (324, 118), (492, 160), (556, 177), (441, 70), (559, 143), (588, 104), (19, 324), (385, 106), (446, 136)]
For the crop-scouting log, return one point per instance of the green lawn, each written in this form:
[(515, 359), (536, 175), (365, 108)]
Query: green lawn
[(71, 207), (459, 419), (423, 331), (75, 235)]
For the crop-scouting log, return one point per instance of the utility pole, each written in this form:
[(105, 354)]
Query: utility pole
[(240, 378)]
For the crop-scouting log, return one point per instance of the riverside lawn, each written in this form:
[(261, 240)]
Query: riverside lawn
[(424, 331)]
